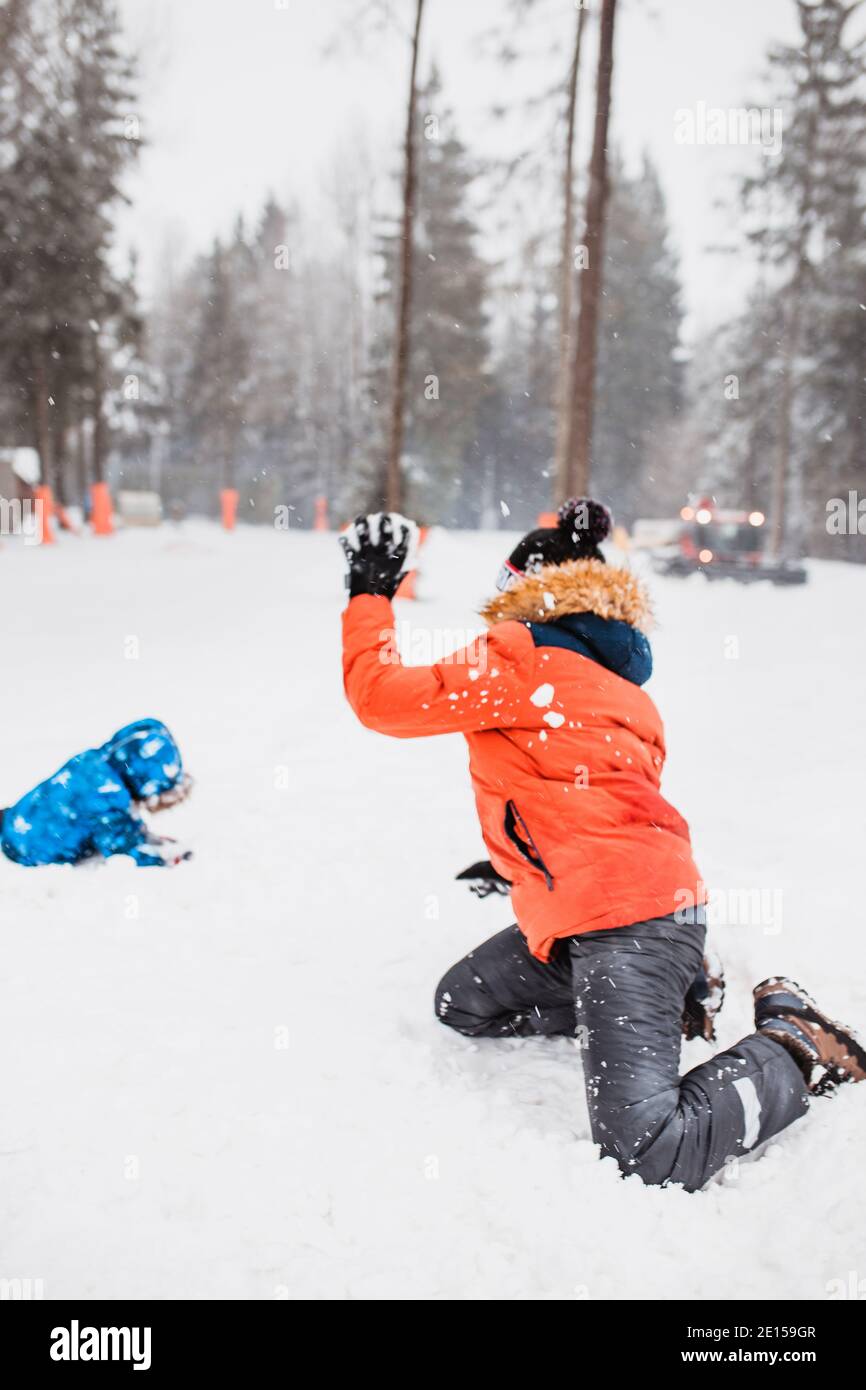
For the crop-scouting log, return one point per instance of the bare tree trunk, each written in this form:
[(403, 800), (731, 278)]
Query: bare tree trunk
[(566, 274), (43, 437), (352, 221), (61, 446), (782, 460), (10, 20), (227, 452), (583, 372), (99, 440), (82, 479), (394, 475)]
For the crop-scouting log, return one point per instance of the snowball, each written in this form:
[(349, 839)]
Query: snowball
[(542, 696)]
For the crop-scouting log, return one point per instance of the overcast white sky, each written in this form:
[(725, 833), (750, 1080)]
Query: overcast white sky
[(238, 98)]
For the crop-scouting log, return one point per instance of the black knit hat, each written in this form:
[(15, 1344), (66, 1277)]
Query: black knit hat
[(581, 527)]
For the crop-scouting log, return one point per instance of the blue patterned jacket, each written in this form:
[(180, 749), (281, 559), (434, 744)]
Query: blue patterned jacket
[(90, 806)]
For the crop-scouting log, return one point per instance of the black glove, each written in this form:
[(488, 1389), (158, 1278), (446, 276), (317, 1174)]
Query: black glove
[(376, 548), (483, 879), (704, 999)]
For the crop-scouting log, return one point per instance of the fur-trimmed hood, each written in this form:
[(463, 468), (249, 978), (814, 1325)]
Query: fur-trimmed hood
[(579, 586), (588, 607)]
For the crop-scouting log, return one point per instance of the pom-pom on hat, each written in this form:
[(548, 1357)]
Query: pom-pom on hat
[(581, 526)]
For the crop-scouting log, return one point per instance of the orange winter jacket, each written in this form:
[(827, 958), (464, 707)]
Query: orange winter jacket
[(565, 754)]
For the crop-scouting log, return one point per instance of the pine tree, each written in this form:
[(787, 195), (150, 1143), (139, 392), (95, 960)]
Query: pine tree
[(64, 152), (809, 210), (219, 370), (639, 377), (519, 473)]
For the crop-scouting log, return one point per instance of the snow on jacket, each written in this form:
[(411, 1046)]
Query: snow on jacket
[(565, 749), (89, 806)]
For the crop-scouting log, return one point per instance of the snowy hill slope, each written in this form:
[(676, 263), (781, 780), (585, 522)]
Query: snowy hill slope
[(227, 1081)]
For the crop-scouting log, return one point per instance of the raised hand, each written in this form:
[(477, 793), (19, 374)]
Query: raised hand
[(378, 548)]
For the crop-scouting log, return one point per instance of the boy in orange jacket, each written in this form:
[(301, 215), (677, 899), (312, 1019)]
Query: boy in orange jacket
[(565, 754)]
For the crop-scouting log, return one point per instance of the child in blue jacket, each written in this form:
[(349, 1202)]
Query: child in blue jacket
[(92, 806)]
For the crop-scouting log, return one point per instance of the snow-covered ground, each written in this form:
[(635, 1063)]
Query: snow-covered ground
[(226, 1080)]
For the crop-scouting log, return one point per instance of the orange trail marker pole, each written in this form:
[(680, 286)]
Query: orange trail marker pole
[(229, 505), (45, 501), (320, 520), (101, 516)]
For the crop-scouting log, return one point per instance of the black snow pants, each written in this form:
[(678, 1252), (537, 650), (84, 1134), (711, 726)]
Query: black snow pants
[(620, 993)]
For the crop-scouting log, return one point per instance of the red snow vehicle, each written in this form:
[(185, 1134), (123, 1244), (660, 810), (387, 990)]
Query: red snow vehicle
[(724, 544)]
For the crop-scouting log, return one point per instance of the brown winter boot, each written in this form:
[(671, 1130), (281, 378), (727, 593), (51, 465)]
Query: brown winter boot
[(785, 1012)]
